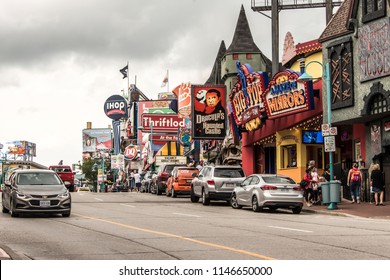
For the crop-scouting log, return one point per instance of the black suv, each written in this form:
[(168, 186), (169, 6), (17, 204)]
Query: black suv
[(163, 173)]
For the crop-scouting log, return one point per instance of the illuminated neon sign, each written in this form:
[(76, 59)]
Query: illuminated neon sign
[(286, 95)]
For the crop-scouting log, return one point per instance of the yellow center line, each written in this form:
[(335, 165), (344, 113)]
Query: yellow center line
[(180, 237)]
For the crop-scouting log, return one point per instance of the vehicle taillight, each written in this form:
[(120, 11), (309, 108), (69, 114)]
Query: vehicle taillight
[(266, 187), (297, 188), (210, 182)]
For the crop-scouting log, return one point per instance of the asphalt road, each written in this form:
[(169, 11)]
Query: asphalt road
[(140, 226)]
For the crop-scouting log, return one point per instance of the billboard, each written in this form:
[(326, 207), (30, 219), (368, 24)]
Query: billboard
[(17, 148), (208, 111), (95, 140)]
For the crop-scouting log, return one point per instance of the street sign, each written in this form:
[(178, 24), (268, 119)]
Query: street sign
[(325, 129), (171, 160), (333, 131), (330, 144)]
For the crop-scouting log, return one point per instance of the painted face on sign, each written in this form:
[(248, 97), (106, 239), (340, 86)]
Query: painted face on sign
[(212, 99)]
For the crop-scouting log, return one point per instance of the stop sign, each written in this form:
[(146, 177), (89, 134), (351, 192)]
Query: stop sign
[(131, 152)]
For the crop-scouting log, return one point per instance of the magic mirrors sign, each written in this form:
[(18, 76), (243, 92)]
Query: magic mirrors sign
[(246, 97), (286, 95)]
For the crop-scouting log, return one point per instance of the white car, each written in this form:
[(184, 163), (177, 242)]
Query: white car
[(268, 191)]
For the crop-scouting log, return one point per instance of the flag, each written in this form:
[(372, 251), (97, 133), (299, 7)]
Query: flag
[(124, 71), (165, 81)]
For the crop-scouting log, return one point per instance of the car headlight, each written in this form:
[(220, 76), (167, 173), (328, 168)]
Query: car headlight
[(63, 195), (22, 195)]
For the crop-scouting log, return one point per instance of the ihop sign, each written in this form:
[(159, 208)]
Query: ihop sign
[(115, 107)]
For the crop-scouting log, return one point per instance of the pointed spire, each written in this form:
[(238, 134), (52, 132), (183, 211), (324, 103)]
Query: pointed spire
[(215, 76), (242, 39)]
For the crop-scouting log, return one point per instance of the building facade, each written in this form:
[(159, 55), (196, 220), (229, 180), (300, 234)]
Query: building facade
[(356, 43)]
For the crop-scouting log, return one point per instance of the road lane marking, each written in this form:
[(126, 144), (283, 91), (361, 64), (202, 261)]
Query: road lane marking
[(293, 229), (259, 256), (3, 254), (127, 205), (98, 199), (188, 215)]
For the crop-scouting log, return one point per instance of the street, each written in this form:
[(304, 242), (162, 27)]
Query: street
[(142, 226)]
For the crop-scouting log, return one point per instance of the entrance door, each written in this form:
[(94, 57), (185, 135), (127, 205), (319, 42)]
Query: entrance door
[(386, 171)]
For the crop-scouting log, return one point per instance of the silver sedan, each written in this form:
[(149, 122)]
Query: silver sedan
[(268, 191)]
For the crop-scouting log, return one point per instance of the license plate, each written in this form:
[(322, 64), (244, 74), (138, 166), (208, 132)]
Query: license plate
[(284, 190), (44, 203), (229, 185), (189, 181)]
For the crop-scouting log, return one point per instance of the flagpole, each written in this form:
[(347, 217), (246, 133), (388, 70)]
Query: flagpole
[(168, 81), (128, 84)]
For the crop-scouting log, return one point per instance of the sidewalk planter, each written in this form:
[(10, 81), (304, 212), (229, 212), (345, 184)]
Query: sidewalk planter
[(335, 191)]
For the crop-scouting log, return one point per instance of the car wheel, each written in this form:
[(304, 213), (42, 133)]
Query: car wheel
[(158, 191), (205, 199), (12, 210), (173, 192), (67, 214), (194, 198), (4, 210), (297, 210), (234, 203), (255, 204)]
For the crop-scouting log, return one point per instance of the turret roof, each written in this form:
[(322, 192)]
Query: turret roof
[(242, 39), (215, 76)]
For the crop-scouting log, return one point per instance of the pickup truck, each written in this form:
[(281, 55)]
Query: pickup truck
[(66, 174)]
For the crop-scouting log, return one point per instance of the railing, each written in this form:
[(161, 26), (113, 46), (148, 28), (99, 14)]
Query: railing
[(266, 5)]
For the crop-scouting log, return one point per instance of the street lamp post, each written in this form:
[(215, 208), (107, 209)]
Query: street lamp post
[(326, 74)]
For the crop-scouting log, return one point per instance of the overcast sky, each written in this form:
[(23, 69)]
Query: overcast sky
[(60, 59)]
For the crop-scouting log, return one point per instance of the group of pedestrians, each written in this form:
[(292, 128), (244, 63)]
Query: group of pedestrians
[(311, 184), (134, 181)]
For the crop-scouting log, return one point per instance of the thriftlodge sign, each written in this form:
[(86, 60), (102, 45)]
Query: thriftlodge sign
[(161, 123)]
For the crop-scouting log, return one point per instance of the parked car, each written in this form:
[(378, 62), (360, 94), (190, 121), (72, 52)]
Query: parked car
[(146, 181), (269, 191), (83, 188), (66, 174), (163, 173), (35, 191), (180, 180), (216, 183)]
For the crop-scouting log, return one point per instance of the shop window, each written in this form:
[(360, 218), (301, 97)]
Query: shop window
[(373, 9), (340, 56), (289, 156), (378, 105)]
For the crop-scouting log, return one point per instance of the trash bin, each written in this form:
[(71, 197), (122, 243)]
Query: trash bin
[(325, 192), (335, 191)]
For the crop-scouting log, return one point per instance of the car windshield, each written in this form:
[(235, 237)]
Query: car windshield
[(38, 179), (278, 180), (228, 173)]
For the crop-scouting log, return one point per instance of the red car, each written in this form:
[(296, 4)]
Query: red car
[(66, 174), (180, 180)]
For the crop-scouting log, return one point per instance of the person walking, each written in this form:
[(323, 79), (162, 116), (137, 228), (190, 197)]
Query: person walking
[(308, 191), (354, 181), (377, 184), (137, 181)]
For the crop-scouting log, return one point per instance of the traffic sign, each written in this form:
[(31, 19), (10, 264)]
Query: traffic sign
[(330, 144)]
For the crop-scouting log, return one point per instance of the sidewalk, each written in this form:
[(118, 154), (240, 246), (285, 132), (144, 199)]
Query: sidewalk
[(346, 208)]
